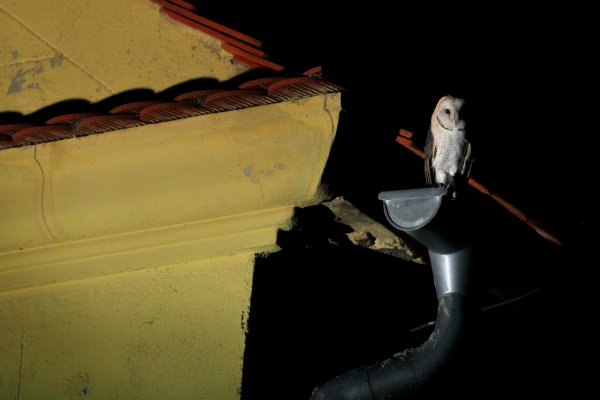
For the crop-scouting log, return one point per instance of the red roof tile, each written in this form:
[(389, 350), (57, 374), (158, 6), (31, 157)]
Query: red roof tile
[(256, 92), (247, 63), (405, 133), (410, 145), (10, 129), (245, 49), (301, 87), (236, 99), (243, 52), (69, 119), (260, 83), (313, 71), (169, 111), (170, 8), (105, 123), (6, 139), (184, 4), (4, 143), (43, 133), (197, 96), (209, 31), (134, 107)]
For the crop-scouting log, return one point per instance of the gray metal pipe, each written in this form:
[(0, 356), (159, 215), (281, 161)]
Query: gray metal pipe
[(441, 224)]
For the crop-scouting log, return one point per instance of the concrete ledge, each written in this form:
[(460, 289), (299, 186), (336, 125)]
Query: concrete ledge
[(163, 183), (247, 233)]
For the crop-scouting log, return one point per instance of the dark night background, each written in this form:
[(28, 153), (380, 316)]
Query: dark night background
[(317, 309)]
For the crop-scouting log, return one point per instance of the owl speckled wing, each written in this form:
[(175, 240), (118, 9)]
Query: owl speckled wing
[(447, 153), (429, 150)]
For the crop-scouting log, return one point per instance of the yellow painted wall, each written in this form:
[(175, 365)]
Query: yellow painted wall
[(174, 332), (55, 50), (126, 257)]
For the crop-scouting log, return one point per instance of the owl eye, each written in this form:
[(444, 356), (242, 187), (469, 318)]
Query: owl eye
[(447, 111)]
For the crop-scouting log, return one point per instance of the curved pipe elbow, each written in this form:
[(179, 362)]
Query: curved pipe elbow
[(444, 229), (409, 372)]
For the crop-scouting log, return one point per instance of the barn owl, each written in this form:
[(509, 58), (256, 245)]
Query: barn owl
[(447, 151)]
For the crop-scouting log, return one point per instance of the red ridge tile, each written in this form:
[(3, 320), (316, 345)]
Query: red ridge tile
[(133, 108), (212, 25), (184, 4), (544, 233), (479, 186), (237, 99), (68, 119), (512, 209), (410, 145), (238, 51), (313, 71), (105, 123), (216, 34), (169, 111), (43, 133), (405, 133), (247, 63)]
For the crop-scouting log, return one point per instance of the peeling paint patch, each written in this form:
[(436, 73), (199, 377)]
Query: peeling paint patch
[(244, 323), (16, 83), (77, 386), (57, 60), (18, 80), (37, 70), (248, 171), (15, 54), (256, 176)]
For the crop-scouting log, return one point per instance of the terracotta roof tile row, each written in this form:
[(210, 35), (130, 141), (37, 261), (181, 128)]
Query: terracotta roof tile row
[(245, 49), (253, 93)]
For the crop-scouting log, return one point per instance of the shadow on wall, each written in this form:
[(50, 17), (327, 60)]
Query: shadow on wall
[(140, 94), (319, 308)]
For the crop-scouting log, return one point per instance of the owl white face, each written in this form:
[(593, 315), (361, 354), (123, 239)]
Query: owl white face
[(447, 113)]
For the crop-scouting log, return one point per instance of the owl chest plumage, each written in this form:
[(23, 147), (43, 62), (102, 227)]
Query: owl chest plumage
[(449, 151)]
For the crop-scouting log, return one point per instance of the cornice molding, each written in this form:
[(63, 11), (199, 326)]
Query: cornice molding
[(194, 188)]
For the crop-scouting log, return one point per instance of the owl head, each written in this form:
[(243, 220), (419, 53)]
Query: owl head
[(447, 114)]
